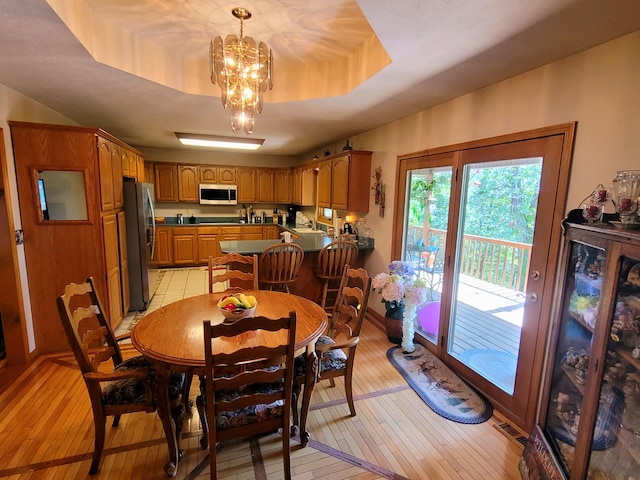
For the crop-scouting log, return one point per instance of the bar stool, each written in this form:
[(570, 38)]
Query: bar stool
[(332, 260), (279, 265)]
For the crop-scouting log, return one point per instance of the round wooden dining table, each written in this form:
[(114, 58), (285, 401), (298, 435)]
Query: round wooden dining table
[(172, 337)]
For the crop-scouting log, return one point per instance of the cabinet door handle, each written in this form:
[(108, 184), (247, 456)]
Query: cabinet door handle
[(532, 297)]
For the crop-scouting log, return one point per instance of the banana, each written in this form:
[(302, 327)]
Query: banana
[(245, 300), (252, 300), (228, 300)]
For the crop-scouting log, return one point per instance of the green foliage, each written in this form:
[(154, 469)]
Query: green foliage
[(501, 201)]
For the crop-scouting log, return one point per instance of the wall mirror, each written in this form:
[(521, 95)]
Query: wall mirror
[(61, 195)]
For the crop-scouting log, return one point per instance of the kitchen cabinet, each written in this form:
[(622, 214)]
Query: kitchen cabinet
[(264, 185), (231, 233), (217, 175), (589, 419), (185, 245), (112, 268), (271, 232), (281, 186), (116, 171), (208, 243), (303, 186), (344, 181), (107, 196), (188, 183), (149, 174), (324, 184), (91, 244), (163, 249), (130, 164), (246, 185), (124, 263), (166, 182), (252, 232), (140, 170)]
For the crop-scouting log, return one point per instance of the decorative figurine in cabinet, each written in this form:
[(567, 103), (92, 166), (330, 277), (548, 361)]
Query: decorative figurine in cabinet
[(589, 419)]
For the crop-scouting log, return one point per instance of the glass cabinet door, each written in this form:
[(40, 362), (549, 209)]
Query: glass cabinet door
[(616, 446), (575, 335)]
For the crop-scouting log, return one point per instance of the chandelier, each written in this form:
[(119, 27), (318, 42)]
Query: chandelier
[(243, 72)]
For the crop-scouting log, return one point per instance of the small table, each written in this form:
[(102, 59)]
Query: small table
[(172, 338)]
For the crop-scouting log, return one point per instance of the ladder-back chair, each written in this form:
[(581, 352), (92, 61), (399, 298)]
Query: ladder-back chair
[(248, 388), (127, 387)]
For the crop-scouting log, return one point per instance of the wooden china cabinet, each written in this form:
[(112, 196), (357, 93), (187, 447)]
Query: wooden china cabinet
[(589, 419)]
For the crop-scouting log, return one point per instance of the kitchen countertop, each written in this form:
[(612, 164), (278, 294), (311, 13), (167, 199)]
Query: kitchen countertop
[(309, 243)]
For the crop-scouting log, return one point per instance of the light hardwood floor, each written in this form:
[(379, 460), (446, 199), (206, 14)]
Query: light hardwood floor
[(46, 427)]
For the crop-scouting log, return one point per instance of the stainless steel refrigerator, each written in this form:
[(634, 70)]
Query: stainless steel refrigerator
[(141, 235)]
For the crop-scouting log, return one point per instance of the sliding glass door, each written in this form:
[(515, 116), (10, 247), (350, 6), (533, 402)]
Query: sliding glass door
[(481, 225)]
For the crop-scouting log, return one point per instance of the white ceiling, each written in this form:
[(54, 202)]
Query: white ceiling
[(341, 67)]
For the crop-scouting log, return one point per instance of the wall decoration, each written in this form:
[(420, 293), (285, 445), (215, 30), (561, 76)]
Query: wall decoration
[(379, 191)]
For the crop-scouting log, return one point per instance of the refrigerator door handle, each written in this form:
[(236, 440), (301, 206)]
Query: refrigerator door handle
[(153, 224)]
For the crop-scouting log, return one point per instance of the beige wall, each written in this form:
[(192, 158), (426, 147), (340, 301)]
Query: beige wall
[(599, 88)]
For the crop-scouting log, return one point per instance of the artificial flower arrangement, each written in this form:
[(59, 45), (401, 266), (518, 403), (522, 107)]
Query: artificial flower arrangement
[(401, 288)]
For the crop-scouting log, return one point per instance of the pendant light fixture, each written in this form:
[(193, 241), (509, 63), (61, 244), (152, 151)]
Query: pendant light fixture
[(243, 72)]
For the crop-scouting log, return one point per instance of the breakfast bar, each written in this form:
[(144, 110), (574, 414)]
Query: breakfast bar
[(307, 285)]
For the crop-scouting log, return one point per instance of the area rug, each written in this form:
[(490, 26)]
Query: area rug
[(496, 366), (441, 389)]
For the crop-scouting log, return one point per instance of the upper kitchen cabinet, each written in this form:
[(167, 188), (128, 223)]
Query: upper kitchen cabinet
[(117, 153), (69, 188), (130, 162), (350, 181), (281, 186), (149, 173), (264, 183), (166, 184), (324, 184), (246, 184), (218, 175), (303, 186), (188, 183), (344, 180)]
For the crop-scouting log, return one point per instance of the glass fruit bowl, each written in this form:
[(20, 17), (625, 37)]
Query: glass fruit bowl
[(238, 305)]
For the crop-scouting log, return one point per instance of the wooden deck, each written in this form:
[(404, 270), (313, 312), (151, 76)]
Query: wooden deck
[(486, 316)]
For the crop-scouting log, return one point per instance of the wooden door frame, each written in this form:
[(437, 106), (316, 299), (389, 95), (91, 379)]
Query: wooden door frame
[(567, 131), (11, 306)]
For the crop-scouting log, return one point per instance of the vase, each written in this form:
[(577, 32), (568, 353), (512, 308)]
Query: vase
[(393, 324)]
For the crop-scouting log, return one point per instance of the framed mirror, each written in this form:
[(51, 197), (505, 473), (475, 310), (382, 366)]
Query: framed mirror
[(61, 195)]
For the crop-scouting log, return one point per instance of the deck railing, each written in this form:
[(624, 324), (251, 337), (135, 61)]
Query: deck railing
[(499, 262)]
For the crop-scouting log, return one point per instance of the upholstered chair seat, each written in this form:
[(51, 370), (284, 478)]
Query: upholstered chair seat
[(133, 390)]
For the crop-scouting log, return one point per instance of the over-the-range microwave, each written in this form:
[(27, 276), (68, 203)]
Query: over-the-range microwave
[(211, 194)]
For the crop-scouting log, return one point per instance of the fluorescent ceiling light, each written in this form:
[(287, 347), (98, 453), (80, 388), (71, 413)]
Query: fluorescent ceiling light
[(215, 141)]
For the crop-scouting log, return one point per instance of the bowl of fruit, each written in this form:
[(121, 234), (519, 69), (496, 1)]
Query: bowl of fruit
[(237, 306)]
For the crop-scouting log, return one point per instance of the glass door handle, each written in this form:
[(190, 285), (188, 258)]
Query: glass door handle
[(532, 297), (535, 275)]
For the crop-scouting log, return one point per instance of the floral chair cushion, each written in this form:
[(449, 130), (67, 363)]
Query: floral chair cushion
[(132, 390), (252, 413), (329, 360)]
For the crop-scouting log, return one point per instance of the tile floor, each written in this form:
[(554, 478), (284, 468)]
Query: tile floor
[(175, 284)]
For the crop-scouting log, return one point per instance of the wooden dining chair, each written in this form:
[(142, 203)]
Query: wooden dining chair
[(226, 262), (125, 388), (330, 266), (233, 280), (279, 265), (337, 348), (248, 387)]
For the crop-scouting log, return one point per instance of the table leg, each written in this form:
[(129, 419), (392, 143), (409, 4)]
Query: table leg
[(312, 377), (163, 408)]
